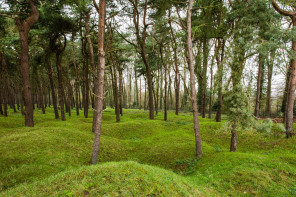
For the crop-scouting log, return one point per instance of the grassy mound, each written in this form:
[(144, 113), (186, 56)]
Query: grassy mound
[(264, 165), (110, 179)]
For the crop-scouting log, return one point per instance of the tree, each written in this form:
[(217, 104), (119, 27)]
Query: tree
[(99, 98), (24, 25), (292, 75), (192, 81)]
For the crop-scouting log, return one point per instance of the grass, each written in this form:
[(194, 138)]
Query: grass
[(48, 160)]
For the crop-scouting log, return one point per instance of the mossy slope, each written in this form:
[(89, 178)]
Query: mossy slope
[(110, 179)]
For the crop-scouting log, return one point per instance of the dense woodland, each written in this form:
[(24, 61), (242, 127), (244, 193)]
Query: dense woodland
[(212, 58)]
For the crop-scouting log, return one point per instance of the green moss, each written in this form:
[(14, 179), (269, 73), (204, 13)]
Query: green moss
[(110, 179), (263, 166)]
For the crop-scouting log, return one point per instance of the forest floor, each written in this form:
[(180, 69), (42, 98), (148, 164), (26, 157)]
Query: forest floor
[(141, 157)]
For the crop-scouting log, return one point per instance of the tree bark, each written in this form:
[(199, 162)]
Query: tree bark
[(219, 79), (269, 78), (233, 144), (53, 94), (177, 76), (258, 92), (204, 77), (24, 28), (99, 98), (120, 92), (192, 82), (76, 78), (292, 76), (115, 88)]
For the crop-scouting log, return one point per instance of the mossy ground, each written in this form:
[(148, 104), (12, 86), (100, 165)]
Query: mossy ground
[(264, 165)]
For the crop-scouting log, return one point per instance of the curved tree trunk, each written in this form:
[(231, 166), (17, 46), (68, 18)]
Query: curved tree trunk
[(24, 28)]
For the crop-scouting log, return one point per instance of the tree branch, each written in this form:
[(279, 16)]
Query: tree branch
[(281, 11)]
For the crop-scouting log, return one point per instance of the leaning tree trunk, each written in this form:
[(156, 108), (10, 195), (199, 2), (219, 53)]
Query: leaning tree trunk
[(192, 82), (24, 28)]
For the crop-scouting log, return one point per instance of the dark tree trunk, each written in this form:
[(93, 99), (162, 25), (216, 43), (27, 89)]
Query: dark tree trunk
[(61, 93), (258, 92), (204, 77), (53, 94), (192, 82), (97, 121), (177, 76), (70, 91), (115, 88), (120, 92), (77, 105), (269, 78), (24, 28), (142, 43), (233, 144), (39, 90), (211, 89)]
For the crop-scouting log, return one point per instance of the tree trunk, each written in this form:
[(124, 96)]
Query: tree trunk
[(219, 79), (61, 92), (99, 98), (115, 88), (211, 89), (192, 82), (53, 94), (120, 92), (24, 28), (258, 92), (233, 145), (177, 76), (204, 77), (76, 78), (70, 91), (269, 78), (291, 93)]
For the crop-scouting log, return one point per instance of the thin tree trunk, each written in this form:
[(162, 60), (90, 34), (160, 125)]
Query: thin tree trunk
[(269, 78), (177, 76), (99, 98), (258, 92), (120, 92), (115, 88), (61, 92), (204, 77), (76, 78), (70, 91), (211, 89), (192, 82), (53, 94), (219, 79)]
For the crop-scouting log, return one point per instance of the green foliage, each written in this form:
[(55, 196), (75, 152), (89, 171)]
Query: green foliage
[(237, 106), (264, 126)]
